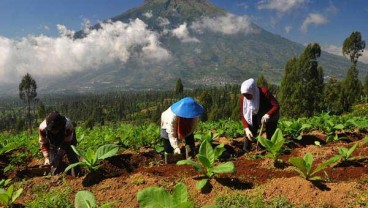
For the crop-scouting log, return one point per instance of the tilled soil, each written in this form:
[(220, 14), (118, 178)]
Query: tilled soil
[(122, 176)]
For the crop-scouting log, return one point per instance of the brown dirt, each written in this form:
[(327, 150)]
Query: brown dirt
[(124, 175)]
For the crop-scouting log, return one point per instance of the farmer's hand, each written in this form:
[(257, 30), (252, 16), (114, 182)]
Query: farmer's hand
[(265, 118), (177, 151), (249, 134)]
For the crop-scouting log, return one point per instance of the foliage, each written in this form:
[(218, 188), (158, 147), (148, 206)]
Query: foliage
[(91, 159), (304, 166), (294, 128), (345, 154), (301, 86), (353, 46), (86, 199), (4, 182), (27, 93), (179, 88), (273, 146), (153, 197), (9, 195), (59, 197), (207, 157)]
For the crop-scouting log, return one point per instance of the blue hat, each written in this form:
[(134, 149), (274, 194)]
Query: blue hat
[(187, 108)]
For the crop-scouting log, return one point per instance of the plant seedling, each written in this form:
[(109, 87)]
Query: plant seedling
[(345, 154), (273, 146), (207, 157), (91, 160), (304, 166), (8, 196)]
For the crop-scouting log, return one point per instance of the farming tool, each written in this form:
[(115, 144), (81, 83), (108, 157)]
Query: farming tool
[(259, 135)]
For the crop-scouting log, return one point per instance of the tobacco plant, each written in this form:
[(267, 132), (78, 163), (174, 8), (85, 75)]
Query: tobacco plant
[(304, 166), (8, 196), (153, 197), (207, 157), (273, 146), (345, 154), (91, 159), (86, 199)]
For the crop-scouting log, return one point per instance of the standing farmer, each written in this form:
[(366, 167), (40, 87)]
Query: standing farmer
[(257, 106), (178, 123), (56, 135)]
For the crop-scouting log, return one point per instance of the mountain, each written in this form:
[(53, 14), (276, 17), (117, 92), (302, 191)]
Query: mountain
[(207, 46)]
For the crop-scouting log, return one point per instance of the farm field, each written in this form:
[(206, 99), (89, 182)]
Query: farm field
[(260, 180)]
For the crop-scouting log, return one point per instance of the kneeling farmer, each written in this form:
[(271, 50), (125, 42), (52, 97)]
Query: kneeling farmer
[(56, 135), (178, 122)]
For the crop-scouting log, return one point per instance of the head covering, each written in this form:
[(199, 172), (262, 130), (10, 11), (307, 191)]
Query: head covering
[(187, 108), (54, 121), (250, 107)]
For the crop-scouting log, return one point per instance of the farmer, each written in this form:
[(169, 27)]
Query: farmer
[(257, 106), (56, 135), (178, 123)]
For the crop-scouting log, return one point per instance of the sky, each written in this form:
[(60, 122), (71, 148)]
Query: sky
[(35, 34)]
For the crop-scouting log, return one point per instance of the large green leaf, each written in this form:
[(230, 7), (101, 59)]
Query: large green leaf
[(219, 149), (206, 150), (227, 167), (72, 166), (299, 163), (308, 158), (84, 199), (106, 151), (16, 194), (203, 159), (154, 197), (180, 194), (192, 163), (265, 143), (200, 184)]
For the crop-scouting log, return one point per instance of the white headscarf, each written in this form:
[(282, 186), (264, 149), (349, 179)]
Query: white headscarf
[(250, 107)]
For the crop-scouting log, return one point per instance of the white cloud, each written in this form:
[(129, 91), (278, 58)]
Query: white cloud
[(243, 5), (281, 6), (148, 14), (183, 34), (288, 29), (228, 24), (162, 21), (337, 50), (112, 45), (313, 18)]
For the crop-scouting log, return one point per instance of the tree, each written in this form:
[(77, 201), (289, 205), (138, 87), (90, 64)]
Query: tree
[(332, 93), (261, 81), (302, 84), (179, 88), (27, 93), (352, 87), (353, 47), (366, 85)]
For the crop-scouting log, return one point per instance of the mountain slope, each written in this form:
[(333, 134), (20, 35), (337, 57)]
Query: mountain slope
[(211, 52)]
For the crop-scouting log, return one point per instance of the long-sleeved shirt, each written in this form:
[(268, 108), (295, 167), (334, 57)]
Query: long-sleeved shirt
[(169, 122), (267, 104), (44, 141)]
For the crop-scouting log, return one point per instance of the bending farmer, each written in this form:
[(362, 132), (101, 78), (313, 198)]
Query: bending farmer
[(178, 122), (56, 135)]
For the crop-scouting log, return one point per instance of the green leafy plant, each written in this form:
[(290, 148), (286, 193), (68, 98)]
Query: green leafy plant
[(273, 146), (294, 128), (207, 157), (345, 154), (304, 166), (4, 182), (153, 197), (86, 199), (209, 136), (91, 159), (8, 196)]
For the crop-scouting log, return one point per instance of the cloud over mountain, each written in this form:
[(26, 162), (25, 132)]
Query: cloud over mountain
[(112, 46)]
